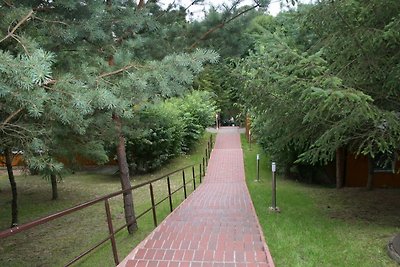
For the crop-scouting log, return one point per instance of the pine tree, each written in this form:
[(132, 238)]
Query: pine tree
[(332, 86), (82, 57)]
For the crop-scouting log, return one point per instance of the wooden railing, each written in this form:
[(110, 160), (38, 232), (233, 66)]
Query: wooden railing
[(188, 176)]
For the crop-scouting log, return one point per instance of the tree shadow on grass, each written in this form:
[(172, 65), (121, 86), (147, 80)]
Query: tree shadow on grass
[(379, 206)]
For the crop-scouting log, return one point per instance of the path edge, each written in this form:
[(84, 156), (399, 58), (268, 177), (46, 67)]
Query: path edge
[(132, 254), (265, 246)]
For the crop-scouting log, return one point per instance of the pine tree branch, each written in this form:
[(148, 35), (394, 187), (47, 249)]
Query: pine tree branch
[(194, 2), (20, 42), (12, 115), (52, 81), (221, 25), (356, 38), (345, 67), (15, 131), (117, 71), (234, 5), (9, 4), (11, 33), (57, 90), (51, 21)]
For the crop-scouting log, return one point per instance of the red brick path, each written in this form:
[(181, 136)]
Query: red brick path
[(216, 226)]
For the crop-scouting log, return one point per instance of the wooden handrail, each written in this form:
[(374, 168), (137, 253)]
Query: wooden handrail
[(111, 235), (43, 220)]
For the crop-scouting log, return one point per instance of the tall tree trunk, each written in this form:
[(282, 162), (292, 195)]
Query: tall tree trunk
[(14, 203), (340, 167), (54, 189), (130, 217), (129, 210), (370, 173), (141, 4)]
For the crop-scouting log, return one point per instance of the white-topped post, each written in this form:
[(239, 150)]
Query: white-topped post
[(274, 207), (258, 167)]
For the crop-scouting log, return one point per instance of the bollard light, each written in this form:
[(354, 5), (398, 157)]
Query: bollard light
[(273, 206), (250, 139), (258, 167)]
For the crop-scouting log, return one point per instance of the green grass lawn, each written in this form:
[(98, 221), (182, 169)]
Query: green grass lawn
[(59, 241), (321, 226)]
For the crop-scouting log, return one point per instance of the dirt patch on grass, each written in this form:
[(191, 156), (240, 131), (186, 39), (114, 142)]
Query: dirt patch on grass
[(379, 206)]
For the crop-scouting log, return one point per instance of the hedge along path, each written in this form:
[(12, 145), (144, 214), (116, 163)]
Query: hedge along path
[(216, 226)]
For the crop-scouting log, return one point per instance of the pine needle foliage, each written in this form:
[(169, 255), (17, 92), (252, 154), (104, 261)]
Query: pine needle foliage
[(69, 59), (314, 88), (70, 66)]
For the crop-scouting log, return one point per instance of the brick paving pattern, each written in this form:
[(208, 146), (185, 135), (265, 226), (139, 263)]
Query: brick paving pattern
[(216, 226)]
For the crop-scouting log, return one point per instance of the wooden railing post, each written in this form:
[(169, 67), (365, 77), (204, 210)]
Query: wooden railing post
[(204, 167), (200, 171), (111, 231), (153, 206), (169, 194), (206, 157), (184, 183), (194, 178)]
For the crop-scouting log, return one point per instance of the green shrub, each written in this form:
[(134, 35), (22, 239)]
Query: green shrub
[(164, 130), (197, 111), (157, 138)]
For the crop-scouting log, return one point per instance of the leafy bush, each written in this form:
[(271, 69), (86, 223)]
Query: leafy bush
[(165, 130), (197, 111), (157, 138)]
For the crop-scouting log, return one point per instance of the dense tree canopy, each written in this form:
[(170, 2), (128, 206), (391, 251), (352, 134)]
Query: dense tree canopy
[(64, 63), (315, 88)]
